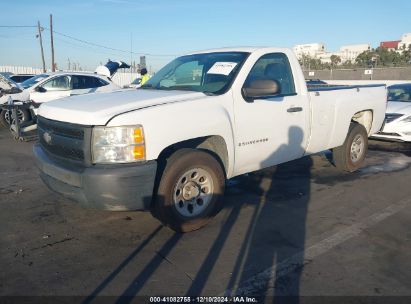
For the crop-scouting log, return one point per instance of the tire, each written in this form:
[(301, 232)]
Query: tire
[(3, 122), (190, 190), (24, 115), (350, 156)]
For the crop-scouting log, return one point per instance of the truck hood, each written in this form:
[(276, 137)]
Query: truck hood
[(99, 108), (399, 107)]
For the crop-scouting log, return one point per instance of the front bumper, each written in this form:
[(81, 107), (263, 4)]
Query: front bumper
[(394, 132), (392, 137), (116, 187)]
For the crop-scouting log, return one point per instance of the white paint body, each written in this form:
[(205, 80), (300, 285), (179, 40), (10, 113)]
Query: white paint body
[(399, 127), (41, 97), (170, 117)]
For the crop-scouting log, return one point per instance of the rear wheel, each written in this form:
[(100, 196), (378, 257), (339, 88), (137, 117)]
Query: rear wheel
[(351, 155), (189, 191)]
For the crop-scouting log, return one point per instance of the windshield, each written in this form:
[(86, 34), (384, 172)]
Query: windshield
[(401, 93), (32, 81), (208, 73)]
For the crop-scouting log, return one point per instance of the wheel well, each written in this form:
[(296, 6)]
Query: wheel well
[(214, 144), (364, 118)]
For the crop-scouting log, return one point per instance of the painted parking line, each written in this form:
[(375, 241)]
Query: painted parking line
[(259, 281)]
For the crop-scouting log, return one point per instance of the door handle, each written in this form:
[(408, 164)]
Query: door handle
[(294, 109)]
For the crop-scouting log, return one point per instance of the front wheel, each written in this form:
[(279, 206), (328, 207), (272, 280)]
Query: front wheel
[(5, 117), (351, 155), (190, 190)]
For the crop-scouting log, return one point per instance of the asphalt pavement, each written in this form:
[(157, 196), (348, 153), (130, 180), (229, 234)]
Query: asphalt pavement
[(302, 228)]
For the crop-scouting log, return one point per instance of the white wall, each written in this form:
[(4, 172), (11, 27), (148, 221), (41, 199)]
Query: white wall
[(20, 70)]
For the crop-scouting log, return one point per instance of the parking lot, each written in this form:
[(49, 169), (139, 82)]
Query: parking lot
[(302, 228)]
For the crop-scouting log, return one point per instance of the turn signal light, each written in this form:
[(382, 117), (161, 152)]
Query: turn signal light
[(138, 136), (139, 152)]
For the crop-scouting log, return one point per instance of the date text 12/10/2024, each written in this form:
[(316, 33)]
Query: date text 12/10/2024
[(203, 299)]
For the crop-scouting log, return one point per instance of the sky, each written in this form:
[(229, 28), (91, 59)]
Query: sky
[(165, 29)]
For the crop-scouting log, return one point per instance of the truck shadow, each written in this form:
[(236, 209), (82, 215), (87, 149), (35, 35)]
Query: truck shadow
[(272, 247), (386, 146)]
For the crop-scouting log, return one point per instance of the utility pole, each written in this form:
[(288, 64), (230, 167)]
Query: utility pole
[(41, 46), (53, 67)]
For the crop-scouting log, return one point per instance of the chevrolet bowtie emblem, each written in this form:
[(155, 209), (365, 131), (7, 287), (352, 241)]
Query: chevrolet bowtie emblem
[(47, 138)]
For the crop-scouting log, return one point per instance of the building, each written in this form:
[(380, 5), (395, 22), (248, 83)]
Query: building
[(317, 51), (405, 43), (351, 52), (143, 63), (312, 50), (326, 57), (390, 45), (346, 53)]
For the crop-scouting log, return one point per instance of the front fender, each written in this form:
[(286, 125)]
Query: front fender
[(168, 124)]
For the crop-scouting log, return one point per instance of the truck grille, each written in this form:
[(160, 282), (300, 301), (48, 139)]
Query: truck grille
[(65, 140)]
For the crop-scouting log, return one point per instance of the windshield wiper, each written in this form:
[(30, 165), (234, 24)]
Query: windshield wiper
[(176, 87), (147, 86)]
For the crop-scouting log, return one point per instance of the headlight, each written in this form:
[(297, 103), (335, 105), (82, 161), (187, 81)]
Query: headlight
[(118, 144), (406, 119)]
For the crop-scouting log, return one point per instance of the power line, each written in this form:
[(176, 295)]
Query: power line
[(91, 43), (10, 26), (110, 48), (85, 48)]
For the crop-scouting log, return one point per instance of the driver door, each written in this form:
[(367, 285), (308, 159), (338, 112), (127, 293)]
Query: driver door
[(270, 130)]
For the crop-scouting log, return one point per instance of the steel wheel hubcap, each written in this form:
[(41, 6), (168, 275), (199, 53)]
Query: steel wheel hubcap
[(357, 148), (193, 192)]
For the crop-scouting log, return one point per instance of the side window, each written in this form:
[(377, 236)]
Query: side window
[(60, 83), (100, 82), (273, 66), (75, 82), (87, 82)]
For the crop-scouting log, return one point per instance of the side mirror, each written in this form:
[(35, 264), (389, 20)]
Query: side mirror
[(261, 88), (40, 89)]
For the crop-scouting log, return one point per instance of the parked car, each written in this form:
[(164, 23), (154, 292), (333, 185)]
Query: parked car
[(397, 126), (50, 86), (169, 146), (8, 86), (19, 78), (6, 74)]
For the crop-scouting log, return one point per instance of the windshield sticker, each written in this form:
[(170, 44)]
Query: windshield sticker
[(222, 68)]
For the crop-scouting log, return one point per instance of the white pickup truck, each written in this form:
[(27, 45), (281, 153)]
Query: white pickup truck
[(204, 118)]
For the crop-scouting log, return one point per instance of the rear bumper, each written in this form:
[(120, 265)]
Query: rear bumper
[(116, 188)]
